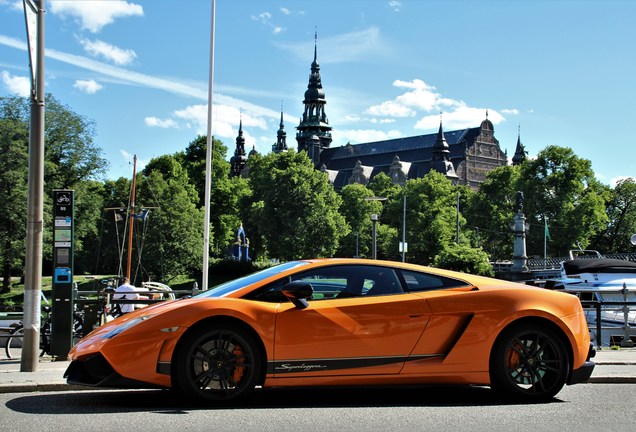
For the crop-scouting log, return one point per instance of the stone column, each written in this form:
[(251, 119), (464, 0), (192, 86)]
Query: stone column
[(519, 228)]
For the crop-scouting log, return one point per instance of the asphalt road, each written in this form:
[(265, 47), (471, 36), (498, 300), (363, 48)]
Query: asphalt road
[(580, 408)]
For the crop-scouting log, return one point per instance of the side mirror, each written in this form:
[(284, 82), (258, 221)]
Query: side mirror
[(298, 292)]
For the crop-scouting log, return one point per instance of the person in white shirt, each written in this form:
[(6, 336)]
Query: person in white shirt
[(126, 291)]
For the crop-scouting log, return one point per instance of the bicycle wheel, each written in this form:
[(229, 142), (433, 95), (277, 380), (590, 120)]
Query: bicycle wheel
[(14, 343), (45, 339)]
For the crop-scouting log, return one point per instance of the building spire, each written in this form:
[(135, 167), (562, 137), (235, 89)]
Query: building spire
[(520, 151), (281, 135), (314, 133), (237, 162), (441, 155)]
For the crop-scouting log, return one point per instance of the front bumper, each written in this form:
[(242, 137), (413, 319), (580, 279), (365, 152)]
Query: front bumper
[(95, 371)]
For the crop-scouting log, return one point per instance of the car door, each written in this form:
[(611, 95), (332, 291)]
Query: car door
[(359, 321)]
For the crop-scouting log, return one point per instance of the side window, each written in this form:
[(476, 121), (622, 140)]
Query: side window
[(416, 281), (351, 281), (337, 282), (327, 282), (270, 293)]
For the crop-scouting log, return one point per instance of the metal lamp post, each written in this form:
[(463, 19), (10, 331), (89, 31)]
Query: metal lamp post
[(374, 219), (374, 249)]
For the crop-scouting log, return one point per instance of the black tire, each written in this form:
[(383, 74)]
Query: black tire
[(218, 364), (529, 363), (14, 343)]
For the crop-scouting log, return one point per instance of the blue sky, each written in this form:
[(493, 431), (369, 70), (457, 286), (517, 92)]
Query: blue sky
[(561, 72)]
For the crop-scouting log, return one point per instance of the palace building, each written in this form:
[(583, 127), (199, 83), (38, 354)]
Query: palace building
[(464, 156)]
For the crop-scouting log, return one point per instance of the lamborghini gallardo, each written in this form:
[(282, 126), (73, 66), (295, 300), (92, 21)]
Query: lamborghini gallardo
[(345, 322)]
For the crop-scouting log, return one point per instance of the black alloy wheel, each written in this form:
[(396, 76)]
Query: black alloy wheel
[(218, 364), (529, 363)]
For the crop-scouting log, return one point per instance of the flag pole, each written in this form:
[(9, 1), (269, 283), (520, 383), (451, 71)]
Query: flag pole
[(208, 163)]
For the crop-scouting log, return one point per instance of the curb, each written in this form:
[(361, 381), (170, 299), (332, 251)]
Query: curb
[(59, 387), (612, 380), (30, 388)]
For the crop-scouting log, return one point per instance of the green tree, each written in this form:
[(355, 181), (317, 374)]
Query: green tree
[(560, 186), (490, 212), (299, 216), (430, 216), (621, 210), (13, 196), (225, 192), (172, 233), (71, 159), (465, 259), (356, 209)]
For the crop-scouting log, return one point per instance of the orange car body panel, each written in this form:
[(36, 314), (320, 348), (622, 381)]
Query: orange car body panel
[(441, 336)]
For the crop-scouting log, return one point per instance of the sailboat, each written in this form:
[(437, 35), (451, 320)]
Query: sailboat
[(132, 218)]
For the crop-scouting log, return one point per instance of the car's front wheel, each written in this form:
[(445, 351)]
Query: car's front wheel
[(529, 363), (217, 364)]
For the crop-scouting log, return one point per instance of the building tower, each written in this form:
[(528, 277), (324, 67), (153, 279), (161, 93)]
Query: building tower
[(314, 133), (237, 162), (441, 156), (281, 136), (520, 151)]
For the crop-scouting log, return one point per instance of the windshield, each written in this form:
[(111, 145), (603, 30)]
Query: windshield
[(233, 285)]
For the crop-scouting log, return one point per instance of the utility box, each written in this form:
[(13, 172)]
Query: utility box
[(63, 234)]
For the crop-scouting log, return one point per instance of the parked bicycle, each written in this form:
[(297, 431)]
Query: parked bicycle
[(16, 336)]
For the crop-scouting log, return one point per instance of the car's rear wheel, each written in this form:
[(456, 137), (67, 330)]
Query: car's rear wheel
[(529, 363), (217, 364)]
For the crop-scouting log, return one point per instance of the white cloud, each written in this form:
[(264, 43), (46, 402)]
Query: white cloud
[(129, 158), (225, 120), (111, 53), (424, 99), (512, 111), (395, 5), (17, 84), (461, 117), (150, 81), (160, 123), (265, 18), (420, 96), (88, 86), (614, 181), (96, 15)]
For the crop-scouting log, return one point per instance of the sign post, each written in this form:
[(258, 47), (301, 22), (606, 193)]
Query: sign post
[(63, 230)]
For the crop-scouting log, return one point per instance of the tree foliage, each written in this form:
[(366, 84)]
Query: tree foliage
[(621, 210), (298, 217), (356, 210), (72, 161), (561, 187), (431, 212), (13, 196), (464, 258), (490, 212)]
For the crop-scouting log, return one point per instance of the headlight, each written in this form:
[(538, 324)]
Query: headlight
[(125, 326)]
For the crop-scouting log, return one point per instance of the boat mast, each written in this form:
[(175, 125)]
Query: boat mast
[(131, 217)]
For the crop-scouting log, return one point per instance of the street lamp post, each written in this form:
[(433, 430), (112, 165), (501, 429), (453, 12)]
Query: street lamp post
[(374, 249), (374, 220), (404, 229)]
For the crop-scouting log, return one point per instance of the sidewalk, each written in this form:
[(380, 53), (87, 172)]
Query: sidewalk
[(612, 366)]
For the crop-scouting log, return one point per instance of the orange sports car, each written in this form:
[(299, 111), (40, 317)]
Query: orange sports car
[(345, 322)]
